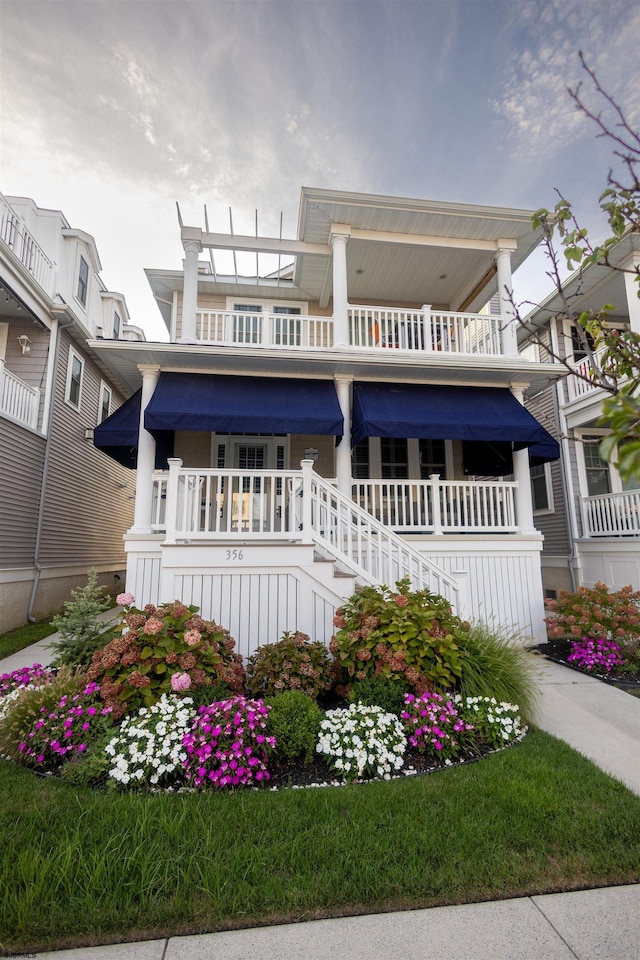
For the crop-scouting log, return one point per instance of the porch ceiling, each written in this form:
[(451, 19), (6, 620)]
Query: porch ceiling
[(454, 270), (121, 360)]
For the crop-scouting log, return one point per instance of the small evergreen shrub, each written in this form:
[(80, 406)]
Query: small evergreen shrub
[(410, 635), (293, 663), (294, 720), (380, 692), (81, 630), (166, 648)]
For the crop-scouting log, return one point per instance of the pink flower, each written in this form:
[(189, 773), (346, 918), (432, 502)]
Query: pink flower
[(125, 599), (152, 626), (192, 638), (180, 681)]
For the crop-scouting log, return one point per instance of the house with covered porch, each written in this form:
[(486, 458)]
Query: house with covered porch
[(354, 417)]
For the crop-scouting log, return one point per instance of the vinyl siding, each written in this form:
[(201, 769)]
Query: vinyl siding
[(20, 477), (553, 526), (89, 502)]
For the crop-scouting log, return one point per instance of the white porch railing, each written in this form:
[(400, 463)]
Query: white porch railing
[(612, 515), (440, 506), (15, 235), (263, 329), (373, 328), (17, 399), (425, 330)]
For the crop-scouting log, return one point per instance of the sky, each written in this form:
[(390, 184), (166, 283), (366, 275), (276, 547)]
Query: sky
[(113, 111)]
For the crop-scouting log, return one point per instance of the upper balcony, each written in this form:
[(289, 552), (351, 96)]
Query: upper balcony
[(370, 328), (15, 238)]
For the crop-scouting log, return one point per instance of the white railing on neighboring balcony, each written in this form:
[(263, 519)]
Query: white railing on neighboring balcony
[(425, 330), (612, 514), (440, 506), (17, 399), (15, 235), (372, 328)]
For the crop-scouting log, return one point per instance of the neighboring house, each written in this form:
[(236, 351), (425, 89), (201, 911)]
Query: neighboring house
[(351, 419), (64, 505), (590, 518)]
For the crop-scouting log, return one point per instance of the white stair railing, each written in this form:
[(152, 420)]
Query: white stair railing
[(365, 546)]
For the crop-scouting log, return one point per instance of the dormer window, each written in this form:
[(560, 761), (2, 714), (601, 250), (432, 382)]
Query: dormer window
[(117, 323), (83, 281)]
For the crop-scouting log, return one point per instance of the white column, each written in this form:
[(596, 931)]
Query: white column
[(307, 517), (192, 248), (632, 287), (522, 475), (505, 288), (338, 241), (343, 450), (146, 457)]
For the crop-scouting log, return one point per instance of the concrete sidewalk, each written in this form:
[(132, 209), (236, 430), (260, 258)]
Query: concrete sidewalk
[(587, 925), (593, 717)]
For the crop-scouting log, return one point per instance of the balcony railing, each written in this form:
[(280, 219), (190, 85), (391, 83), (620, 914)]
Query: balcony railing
[(370, 328), (15, 235), (612, 515), (224, 503), (17, 399), (440, 506)]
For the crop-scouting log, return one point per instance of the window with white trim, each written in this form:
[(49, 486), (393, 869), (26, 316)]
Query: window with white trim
[(541, 489), (106, 397), (83, 281), (75, 372), (117, 325)]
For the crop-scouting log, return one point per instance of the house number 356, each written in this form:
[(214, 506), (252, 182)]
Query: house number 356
[(235, 555)]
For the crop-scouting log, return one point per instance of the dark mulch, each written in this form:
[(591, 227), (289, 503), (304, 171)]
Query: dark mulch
[(295, 773), (559, 650)]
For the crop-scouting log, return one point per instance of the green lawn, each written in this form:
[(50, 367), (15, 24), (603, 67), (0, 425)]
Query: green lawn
[(22, 637), (81, 867)]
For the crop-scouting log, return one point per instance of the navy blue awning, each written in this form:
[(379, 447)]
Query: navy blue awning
[(117, 436), (431, 411), (230, 404)]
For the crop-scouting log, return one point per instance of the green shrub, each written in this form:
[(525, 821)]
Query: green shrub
[(496, 665), (293, 663), (81, 630), (27, 710), (380, 692), (91, 768), (594, 612), (212, 693), (294, 720), (405, 634), (167, 648)]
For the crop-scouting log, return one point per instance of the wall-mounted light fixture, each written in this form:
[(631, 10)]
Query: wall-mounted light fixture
[(25, 343), (88, 433)]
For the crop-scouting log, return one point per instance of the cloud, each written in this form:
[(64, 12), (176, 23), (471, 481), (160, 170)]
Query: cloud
[(539, 118)]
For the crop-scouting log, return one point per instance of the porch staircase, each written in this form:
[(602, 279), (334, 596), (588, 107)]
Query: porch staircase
[(364, 549)]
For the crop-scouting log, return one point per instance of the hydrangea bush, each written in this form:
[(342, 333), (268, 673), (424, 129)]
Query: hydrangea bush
[(435, 727), (293, 663), (594, 612), (164, 648), (404, 634), (362, 741), (148, 749), (597, 655), (228, 745)]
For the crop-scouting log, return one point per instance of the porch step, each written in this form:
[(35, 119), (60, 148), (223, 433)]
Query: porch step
[(338, 573)]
